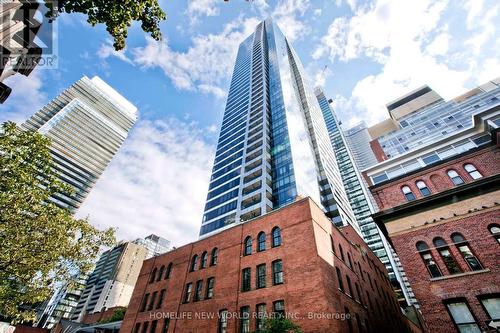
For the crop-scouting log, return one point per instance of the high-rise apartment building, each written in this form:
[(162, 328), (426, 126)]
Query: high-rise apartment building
[(358, 197), (155, 245), (273, 144), (112, 281), (87, 123), (358, 139)]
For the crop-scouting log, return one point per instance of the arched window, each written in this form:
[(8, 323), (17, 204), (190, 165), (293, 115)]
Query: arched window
[(408, 193), (448, 259), (276, 236), (169, 271), (464, 249), (428, 259), (341, 253), (332, 244), (204, 258), (471, 169), (495, 231), (261, 243), (160, 273), (152, 278), (214, 257), (248, 246), (194, 263), (455, 177), (422, 187)]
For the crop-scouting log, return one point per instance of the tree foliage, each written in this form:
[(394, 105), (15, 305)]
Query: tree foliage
[(116, 15), (279, 325), (41, 244)]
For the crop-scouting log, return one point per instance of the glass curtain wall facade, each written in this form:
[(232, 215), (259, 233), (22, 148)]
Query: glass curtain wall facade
[(358, 196), (273, 144), (87, 123)]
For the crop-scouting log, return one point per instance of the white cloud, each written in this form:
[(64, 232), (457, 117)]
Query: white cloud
[(206, 65), (198, 8), (157, 183), (288, 14), (26, 98), (412, 45), (107, 50)]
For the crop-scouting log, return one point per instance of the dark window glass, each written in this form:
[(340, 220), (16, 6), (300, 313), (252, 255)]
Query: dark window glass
[(495, 231), (349, 320), (161, 298), (466, 252), (160, 273), (341, 253), (223, 319), (277, 272), (166, 324), (169, 271), (152, 302), (261, 315), (204, 258), (348, 279), (349, 260), (408, 193), (276, 236), (137, 327), (422, 187), (210, 288), (187, 293), (332, 244), (261, 246), (152, 278), (198, 290), (194, 263), (245, 319), (245, 281), (145, 327), (449, 261), (154, 323), (261, 276), (339, 278), (279, 308), (491, 303), (248, 246), (359, 298), (144, 302)]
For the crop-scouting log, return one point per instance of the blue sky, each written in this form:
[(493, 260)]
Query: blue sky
[(364, 54)]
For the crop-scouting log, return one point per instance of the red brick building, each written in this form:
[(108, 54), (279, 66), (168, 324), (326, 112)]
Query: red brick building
[(292, 261), (443, 220)]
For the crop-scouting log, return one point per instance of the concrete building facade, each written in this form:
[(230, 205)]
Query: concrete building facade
[(292, 261)]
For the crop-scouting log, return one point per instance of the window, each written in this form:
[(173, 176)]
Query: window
[(245, 281), (429, 262), (341, 253), (160, 273), (465, 251), (153, 276), (471, 169), (210, 288), (204, 258), (261, 315), (198, 290), (213, 259), (349, 260), (154, 323), (279, 308), (276, 236), (144, 302), (145, 327), (166, 324), (495, 231), (261, 276), (248, 246), (187, 293), (408, 193), (332, 244), (261, 244), (277, 272), (223, 319), (491, 304), (455, 177), (169, 271), (137, 327), (194, 263), (462, 317), (152, 302), (161, 298), (349, 320), (446, 255), (422, 187), (359, 298), (245, 319), (349, 285), (339, 279)]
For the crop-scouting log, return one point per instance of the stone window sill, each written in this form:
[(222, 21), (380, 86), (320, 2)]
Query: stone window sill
[(446, 277)]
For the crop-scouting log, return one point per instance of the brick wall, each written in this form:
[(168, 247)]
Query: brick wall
[(487, 162), (310, 285)]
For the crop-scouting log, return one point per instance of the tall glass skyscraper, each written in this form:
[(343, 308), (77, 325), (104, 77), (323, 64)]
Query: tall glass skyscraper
[(359, 197), (273, 144), (87, 124)]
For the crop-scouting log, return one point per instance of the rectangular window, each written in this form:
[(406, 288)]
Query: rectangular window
[(279, 308), (492, 306), (223, 319), (462, 317), (245, 319), (210, 288), (137, 327), (449, 261), (154, 323), (261, 315), (469, 257), (166, 324), (187, 293), (261, 276), (198, 290), (339, 278), (245, 281), (277, 272), (144, 303), (152, 302), (348, 279), (431, 265), (161, 299), (145, 327)]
